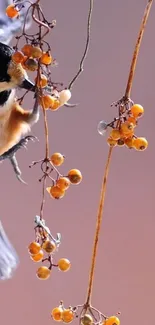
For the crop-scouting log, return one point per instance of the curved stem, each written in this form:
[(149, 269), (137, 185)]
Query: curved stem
[(137, 48), (86, 47), (98, 227)]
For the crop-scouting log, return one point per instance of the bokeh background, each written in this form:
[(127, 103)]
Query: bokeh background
[(125, 269)]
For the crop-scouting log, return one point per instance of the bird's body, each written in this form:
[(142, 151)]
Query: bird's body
[(15, 122)]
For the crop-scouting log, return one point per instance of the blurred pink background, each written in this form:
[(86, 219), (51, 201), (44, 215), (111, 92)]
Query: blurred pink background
[(125, 269)]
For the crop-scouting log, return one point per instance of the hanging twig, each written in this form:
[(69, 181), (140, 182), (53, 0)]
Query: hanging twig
[(104, 182), (86, 47)]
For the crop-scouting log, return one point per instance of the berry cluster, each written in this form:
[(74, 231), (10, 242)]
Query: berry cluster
[(43, 248), (32, 58), (93, 317), (123, 127), (61, 183)]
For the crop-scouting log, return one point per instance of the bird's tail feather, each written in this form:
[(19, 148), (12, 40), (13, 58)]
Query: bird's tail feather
[(8, 257)]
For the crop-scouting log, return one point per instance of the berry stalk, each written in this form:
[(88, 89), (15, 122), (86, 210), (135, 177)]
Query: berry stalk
[(137, 48), (104, 182), (98, 227)]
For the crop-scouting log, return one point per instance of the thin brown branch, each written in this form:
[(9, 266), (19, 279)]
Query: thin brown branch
[(98, 226), (43, 198), (104, 182), (42, 102), (137, 48), (39, 22), (81, 66), (46, 130)]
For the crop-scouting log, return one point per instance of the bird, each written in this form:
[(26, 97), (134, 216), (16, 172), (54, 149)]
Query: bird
[(9, 81), (15, 122)]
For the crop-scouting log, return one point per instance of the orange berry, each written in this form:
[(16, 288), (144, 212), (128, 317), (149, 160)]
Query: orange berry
[(11, 11), (27, 49), (137, 110), (113, 320), (64, 264), (121, 142), (56, 192), (111, 142), (42, 82), (18, 57), (47, 101), (129, 135), (23, 62), (75, 176), (140, 144), (63, 183), (43, 273), (49, 246), (57, 159), (129, 142), (115, 134), (55, 105), (127, 127), (34, 248), (36, 52), (87, 320), (46, 58), (38, 257), (132, 120), (31, 64), (67, 315), (57, 314)]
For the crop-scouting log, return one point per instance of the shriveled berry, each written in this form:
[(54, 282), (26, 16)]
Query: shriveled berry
[(49, 246), (36, 52), (121, 142), (75, 176), (87, 320), (31, 64)]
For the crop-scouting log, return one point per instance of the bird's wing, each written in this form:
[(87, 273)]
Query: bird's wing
[(10, 27)]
